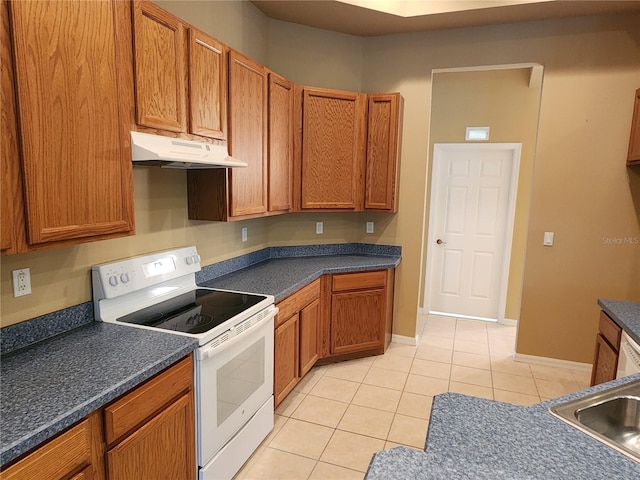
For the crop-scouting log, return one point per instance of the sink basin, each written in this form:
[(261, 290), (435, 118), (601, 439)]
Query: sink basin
[(611, 416)]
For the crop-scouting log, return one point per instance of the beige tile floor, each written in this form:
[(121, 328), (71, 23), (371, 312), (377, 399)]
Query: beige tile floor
[(339, 415)]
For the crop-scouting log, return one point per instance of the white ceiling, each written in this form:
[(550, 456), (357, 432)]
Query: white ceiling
[(382, 17)]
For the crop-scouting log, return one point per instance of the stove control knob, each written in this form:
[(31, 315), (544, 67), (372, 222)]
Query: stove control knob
[(113, 280), (189, 260), (196, 258), (124, 278)]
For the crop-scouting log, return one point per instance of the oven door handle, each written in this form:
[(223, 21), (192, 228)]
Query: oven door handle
[(208, 352)]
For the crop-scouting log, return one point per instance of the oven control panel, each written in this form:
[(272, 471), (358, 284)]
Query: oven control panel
[(111, 280)]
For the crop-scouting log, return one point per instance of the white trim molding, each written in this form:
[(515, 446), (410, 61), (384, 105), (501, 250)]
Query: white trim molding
[(551, 362), (404, 340), (508, 322)]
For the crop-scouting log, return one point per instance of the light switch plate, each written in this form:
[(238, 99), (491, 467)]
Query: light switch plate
[(319, 228), (548, 239)]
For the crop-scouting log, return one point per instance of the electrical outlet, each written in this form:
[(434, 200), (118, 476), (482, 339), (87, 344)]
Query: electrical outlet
[(244, 234), (21, 282), (369, 227), (319, 228)]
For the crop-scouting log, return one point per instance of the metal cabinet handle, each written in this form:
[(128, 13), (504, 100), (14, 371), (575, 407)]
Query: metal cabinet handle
[(440, 241)]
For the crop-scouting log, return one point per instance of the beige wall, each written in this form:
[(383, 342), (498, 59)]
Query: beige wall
[(504, 101), (581, 189)]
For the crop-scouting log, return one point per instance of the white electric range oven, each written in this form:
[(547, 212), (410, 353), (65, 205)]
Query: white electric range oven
[(234, 360)]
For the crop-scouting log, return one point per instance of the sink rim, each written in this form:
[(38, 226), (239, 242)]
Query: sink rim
[(567, 412)]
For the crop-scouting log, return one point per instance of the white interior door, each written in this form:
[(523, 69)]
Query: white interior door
[(471, 223)]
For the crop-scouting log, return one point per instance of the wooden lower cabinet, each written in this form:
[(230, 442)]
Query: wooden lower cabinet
[(147, 433), (361, 312), (76, 453), (605, 358), (297, 339)]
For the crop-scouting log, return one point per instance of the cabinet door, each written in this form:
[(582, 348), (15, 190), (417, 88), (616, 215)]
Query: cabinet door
[(605, 362), (309, 336), (381, 178), (159, 56), (247, 135), (357, 321), (72, 108), (207, 86), (10, 190), (633, 156), (331, 163), (280, 143), (285, 358), (76, 453), (162, 448)]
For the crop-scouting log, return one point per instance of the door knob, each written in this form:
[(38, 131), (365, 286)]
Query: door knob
[(440, 241)]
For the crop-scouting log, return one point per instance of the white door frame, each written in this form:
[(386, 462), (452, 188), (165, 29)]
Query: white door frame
[(438, 150)]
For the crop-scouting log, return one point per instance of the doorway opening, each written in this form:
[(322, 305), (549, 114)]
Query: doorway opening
[(505, 98)]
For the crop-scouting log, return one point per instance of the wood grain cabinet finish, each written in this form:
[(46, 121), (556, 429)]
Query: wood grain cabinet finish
[(633, 157), (207, 86), (150, 432), (347, 150), (330, 154), (280, 145), (73, 93), (361, 313), (160, 68), (180, 76), (237, 193), (286, 355), (11, 203), (75, 453), (297, 343), (605, 358), (383, 152)]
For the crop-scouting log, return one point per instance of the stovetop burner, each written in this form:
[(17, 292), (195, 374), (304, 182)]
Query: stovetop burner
[(197, 311)]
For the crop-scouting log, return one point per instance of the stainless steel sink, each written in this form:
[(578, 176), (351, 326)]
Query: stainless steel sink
[(611, 416)]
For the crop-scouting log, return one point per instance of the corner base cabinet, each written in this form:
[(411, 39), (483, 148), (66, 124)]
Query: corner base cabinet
[(605, 358), (359, 317)]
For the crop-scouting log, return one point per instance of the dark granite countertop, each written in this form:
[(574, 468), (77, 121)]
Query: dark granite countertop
[(477, 439), (282, 276), (52, 384), (625, 314)]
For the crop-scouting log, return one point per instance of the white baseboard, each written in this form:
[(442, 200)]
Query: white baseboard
[(404, 340), (508, 322), (551, 362), (421, 311)]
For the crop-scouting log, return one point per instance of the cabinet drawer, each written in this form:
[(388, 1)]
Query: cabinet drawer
[(56, 459), (137, 406), (610, 330), (358, 281), (297, 301)]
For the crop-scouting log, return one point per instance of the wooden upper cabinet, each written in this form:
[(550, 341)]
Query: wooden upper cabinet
[(280, 146), (382, 164), (73, 90), (331, 153), (207, 86), (160, 69), (247, 136), (633, 158), (11, 189)]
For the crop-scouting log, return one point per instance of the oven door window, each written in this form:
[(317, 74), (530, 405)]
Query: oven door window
[(232, 383), (239, 378)]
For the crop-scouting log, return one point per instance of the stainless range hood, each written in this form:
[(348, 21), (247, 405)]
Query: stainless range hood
[(167, 152)]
